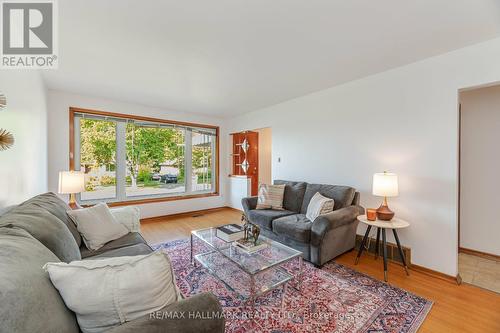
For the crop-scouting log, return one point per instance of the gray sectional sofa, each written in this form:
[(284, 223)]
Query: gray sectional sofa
[(39, 231), (320, 240)]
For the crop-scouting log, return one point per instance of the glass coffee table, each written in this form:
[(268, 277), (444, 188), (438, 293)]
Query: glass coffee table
[(248, 274)]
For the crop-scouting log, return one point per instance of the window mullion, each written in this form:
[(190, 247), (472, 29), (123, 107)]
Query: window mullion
[(214, 175), (76, 151), (188, 158), (121, 160)]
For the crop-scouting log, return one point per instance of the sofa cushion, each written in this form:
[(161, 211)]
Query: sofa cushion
[(29, 301), (132, 250), (294, 194), (265, 217), (57, 207), (296, 227), (129, 239), (46, 228), (342, 195)]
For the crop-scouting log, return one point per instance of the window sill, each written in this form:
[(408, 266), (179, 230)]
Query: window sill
[(154, 200)]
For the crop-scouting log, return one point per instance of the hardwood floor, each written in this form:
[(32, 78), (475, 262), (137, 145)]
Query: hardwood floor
[(463, 308), (158, 230)]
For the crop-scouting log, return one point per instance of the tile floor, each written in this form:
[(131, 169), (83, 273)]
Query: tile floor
[(481, 272)]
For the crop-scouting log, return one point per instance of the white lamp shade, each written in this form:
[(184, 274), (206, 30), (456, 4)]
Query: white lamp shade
[(385, 184), (71, 182)]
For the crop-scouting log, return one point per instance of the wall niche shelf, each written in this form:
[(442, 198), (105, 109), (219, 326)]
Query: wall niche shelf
[(244, 156)]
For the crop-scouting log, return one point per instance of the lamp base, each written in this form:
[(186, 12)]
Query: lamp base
[(384, 213), (72, 202)]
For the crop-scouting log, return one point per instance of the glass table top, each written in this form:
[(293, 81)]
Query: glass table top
[(274, 254), (234, 278)]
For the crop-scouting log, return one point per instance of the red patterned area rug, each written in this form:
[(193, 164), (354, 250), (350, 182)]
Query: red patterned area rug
[(332, 299)]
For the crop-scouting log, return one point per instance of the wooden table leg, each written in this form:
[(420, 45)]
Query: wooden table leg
[(384, 251), (401, 253), (363, 243), (377, 244)]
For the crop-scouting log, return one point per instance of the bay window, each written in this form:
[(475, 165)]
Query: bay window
[(131, 158)]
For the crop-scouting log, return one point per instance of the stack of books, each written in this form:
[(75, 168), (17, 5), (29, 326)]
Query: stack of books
[(230, 232), (249, 246)]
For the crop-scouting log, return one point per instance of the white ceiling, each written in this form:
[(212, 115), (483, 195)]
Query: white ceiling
[(227, 57)]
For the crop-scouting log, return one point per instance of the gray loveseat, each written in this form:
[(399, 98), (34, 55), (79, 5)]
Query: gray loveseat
[(39, 231), (320, 240)]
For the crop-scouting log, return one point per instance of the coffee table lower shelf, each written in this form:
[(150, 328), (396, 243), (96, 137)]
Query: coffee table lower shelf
[(248, 286)]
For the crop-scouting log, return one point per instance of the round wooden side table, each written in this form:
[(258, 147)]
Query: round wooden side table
[(393, 224)]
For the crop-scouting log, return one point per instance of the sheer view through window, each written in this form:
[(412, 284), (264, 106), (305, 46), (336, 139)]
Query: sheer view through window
[(127, 159), (202, 148), (98, 158), (155, 160)]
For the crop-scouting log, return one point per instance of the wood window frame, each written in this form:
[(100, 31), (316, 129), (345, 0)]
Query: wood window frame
[(73, 110)]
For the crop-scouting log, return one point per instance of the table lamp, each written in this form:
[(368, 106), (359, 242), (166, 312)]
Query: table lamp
[(71, 182), (385, 185)]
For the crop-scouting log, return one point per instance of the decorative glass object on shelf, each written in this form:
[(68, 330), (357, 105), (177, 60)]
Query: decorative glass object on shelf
[(245, 145), (245, 165), (243, 149)]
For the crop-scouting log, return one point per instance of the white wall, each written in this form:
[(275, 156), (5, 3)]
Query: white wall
[(23, 168), (479, 170), (265, 155), (404, 120), (58, 138)]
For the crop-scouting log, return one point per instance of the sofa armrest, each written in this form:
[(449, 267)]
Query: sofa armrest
[(199, 313), (248, 204), (324, 223), (129, 216)]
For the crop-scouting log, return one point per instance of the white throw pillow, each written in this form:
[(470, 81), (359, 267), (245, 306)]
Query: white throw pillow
[(104, 293), (97, 225), (319, 205), (270, 197), (129, 216)]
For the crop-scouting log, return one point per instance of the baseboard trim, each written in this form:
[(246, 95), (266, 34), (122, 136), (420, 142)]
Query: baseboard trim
[(479, 253), (183, 214), (235, 209), (436, 274)]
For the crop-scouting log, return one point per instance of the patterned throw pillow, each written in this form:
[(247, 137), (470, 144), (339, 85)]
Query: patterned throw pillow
[(319, 205), (270, 197)]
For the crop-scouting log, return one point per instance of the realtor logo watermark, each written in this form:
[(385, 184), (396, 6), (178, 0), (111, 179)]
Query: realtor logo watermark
[(29, 34)]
